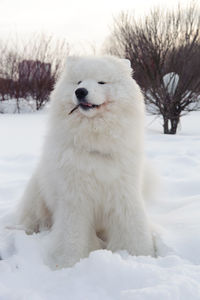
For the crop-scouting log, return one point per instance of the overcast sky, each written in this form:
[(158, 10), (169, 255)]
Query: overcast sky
[(80, 22)]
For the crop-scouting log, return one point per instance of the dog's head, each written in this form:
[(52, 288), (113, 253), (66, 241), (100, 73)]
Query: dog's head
[(98, 102), (90, 85), (95, 82)]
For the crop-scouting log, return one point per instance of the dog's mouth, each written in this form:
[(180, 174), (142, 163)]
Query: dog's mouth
[(84, 106), (87, 105)]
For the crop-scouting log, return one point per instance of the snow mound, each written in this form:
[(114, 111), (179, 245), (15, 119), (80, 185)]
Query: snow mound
[(103, 275), (171, 81)]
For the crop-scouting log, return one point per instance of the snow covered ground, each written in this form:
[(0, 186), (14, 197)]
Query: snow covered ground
[(12, 106), (174, 275)]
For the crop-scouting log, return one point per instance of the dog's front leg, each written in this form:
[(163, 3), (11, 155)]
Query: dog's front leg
[(72, 238), (129, 228)]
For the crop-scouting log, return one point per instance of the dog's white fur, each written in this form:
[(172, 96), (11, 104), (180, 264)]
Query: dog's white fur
[(88, 184)]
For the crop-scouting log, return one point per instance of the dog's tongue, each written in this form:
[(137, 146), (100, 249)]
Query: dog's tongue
[(86, 104)]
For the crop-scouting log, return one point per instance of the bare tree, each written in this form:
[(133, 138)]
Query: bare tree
[(164, 50), (41, 66), (9, 86), (29, 70)]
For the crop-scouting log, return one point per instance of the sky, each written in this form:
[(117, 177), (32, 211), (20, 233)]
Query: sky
[(81, 23)]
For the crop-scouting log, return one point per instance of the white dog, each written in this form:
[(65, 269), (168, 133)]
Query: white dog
[(88, 185)]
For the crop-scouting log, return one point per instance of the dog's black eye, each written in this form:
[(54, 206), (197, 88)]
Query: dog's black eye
[(101, 82), (79, 82)]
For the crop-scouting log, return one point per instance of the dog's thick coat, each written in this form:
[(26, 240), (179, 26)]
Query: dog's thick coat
[(88, 184)]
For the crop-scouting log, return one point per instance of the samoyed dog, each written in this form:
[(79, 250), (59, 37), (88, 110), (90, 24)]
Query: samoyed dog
[(87, 188)]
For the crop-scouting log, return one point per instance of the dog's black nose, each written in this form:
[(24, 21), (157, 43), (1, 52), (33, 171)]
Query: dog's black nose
[(81, 93)]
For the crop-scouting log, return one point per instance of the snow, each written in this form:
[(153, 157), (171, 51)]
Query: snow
[(13, 106), (170, 81), (174, 274)]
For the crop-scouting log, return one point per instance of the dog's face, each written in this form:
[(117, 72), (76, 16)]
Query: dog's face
[(90, 95), (95, 83)]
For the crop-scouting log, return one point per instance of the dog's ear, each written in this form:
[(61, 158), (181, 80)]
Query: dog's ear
[(126, 62)]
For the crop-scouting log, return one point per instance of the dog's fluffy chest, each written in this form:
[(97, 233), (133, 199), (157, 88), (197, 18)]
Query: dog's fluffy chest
[(100, 166)]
